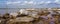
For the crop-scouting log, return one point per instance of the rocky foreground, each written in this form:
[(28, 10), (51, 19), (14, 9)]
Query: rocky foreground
[(32, 16)]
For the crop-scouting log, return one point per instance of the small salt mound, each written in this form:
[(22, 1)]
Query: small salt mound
[(23, 11), (0, 21), (14, 14), (24, 19)]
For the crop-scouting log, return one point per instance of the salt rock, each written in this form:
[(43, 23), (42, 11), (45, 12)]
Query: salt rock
[(14, 14), (23, 11), (24, 19)]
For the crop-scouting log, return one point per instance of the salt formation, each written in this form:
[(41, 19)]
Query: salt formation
[(0, 21), (23, 11), (24, 19), (58, 11), (30, 12), (14, 14)]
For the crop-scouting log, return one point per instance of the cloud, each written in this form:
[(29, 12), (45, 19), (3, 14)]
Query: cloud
[(48, 2), (44, 2), (8, 3), (34, 3), (21, 3), (31, 2), (28, 2), (25, 1), (57, 1), (14, 2), (17, 2)]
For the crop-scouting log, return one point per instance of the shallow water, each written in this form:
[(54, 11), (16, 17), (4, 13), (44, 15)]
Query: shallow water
[(3, 10)]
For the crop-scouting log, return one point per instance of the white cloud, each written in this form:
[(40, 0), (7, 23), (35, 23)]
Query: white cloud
[(14, 2), (42, 2), (34, 3), (28, 2), (20, 3), (25, 1), (57, 1), (17, 2), (31, 2), (48, 2), (9, 2)]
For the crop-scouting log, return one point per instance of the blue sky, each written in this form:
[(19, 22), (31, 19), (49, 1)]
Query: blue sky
[(28, 3)]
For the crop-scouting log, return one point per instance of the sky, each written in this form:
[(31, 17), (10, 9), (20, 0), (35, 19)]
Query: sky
[(29, 3)]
